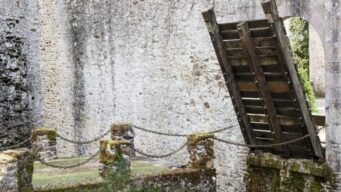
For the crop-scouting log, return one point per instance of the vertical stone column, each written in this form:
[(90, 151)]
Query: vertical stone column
[(112, 158), (16, 168), (200, 148), (124, 131), (44, 143), (332, 45)]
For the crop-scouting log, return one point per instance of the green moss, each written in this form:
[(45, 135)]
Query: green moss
[(292, 174), (51, 134), (120, 128), (299, 41), (194, 138)]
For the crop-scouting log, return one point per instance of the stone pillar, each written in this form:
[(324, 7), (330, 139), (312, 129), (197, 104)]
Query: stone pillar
[(124, 131), (44, 143), (16, 168), (200, 148), (112, 158), (316, 62)]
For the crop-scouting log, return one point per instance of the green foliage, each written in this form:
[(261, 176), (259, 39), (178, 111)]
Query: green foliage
[(299, 41), (118, 179)]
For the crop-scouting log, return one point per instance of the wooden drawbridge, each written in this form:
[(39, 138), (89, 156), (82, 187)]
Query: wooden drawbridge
[(262, 80)]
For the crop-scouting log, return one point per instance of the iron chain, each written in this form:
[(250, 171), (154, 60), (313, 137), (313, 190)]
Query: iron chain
[(160, 133), (223, 129), (68, 166), (178, 134), (163, 155), (268, 145), (84, 142), (16, 145)]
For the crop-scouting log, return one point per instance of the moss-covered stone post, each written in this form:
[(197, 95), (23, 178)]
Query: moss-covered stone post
[(44, 143), (124, 131), (16, 169), (200, 148), (112, 158)]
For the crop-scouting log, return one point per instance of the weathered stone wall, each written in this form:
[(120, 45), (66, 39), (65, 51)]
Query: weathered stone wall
[(152, 63), (149, 63), (19, 88)]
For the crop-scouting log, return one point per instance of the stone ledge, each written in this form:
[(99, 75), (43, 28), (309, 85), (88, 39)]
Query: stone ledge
[(303, 166), (268, 172)]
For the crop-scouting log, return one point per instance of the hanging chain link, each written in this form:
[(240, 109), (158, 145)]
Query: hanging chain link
[(68, 166), (163, 155), (84, 142), (16, 145), (159, 133), (178, 134), (267, 145), (223, 129)]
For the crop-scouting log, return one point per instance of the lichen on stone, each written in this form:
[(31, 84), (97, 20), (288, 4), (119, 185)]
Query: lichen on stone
[(49, 132), (200, 148), (268, 172)]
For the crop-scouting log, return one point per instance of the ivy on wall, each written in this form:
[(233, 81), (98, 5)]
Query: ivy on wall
[(299, 41)]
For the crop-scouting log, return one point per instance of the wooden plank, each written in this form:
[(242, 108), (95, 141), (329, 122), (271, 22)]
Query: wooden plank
[(283, 96), (273, 86), (252, 24), (319, 120), (262, 84), (213, 29), (259, 125), (285, 128), (287, 136), (267, 51), (271, 68), (288, 111), (252, 101), (285, 57), (284, 120), (283, 103), (259, 42), (279, 103), (249, 94), (255, 109), (269, 76), (255, 33), (244, 77)]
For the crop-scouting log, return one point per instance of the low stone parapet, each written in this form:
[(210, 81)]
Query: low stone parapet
[(268, 172), (44, 143), (16, 169)]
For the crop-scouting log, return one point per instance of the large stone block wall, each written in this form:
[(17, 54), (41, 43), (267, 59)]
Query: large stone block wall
[(18, 63), (150, 63)]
